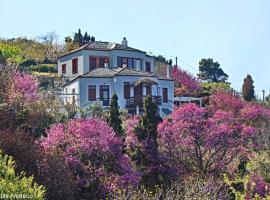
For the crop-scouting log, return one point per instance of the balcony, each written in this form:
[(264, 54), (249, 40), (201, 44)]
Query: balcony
[(139, 100)]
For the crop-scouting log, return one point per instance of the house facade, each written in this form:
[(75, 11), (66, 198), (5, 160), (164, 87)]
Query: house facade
[(95, 71)]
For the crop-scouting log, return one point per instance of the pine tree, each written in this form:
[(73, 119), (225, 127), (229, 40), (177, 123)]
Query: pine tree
[(114, 117), (86, 38), (210, 71), (248, 89)]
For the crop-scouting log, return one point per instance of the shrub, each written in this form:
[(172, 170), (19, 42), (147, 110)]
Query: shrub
[(56, 176), (23, 149), (16, 187), (251, 186), (22, 89), (94, 153)]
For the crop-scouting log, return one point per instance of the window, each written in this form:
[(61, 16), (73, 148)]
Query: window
[(102, 62), (165, 95), (147, 66), (95, 62), (92, 93), (73, 96), (129, 62), (64, 68), (92, 62), (126, 90), (75, 66), (104, 94)]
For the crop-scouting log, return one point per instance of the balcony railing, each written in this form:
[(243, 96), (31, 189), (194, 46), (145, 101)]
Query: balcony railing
[(139, 100)]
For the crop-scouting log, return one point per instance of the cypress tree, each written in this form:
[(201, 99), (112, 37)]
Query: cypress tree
[(248, 89), (114, 117), (147, 131)]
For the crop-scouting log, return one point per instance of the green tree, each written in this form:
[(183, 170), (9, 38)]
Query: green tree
[(147, 131), (11, 184), (114, 117), (210, 71), (248, 89), (77, 40)]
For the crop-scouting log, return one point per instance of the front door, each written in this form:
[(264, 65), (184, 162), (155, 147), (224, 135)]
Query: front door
[(138, 91), (138, 99), (104, 94)]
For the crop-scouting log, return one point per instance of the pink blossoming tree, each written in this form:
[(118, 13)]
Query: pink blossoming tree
[(22, 89), (94, 152), (186, 84), (209, 140)]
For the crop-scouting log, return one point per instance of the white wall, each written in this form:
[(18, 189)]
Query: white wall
[(68, 61), (67, 91), (83, 59)]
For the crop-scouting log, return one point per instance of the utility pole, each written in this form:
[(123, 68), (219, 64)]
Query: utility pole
[(263, 94), (176, 61)]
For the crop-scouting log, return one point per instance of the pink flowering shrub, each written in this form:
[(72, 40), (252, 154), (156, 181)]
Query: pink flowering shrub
[(131, 139), (209, 140), (187, 85), (94, 152), (22, 87)]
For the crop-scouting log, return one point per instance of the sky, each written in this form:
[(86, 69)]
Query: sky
[(236, 33)]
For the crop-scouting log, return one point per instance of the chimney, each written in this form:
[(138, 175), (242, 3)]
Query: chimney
[(169, 71), (124, 41)]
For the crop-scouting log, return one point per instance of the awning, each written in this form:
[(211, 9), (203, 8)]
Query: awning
[(145, 80)]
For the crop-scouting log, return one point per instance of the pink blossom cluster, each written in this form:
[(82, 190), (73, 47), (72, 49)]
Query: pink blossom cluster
[(131, 139), (188, 84), (257, 187), (209, 139), (22, 87), (226, 101), (92, 149)]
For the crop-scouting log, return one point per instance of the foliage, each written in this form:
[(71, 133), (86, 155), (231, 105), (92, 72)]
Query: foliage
[(78, 40), (208, 141), (114, 117), (21, 146), (24, 107), (186, 189), (186, 84), (92, 150), (147, 134), (22, 88), (16, 186), (248, 187), (11, 54), (248, 89), (260, 164), (25, 52), (44, 68), (213, 87), (210, 71), (58, 178), (94, 110)]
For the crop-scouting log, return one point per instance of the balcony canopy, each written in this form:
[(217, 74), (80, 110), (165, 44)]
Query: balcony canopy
[(146, 81)]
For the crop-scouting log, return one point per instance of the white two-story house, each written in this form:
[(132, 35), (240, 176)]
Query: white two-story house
[(95, 71)]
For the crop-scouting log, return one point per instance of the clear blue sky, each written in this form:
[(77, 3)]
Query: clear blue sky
[(236, 33)]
